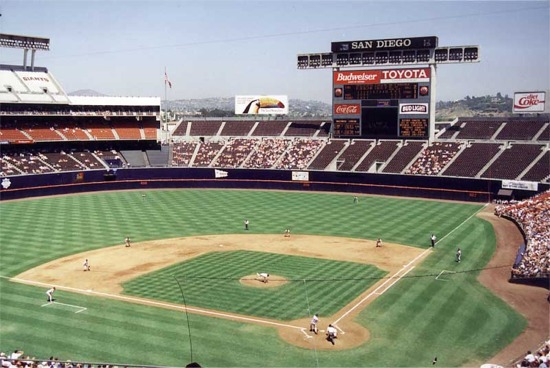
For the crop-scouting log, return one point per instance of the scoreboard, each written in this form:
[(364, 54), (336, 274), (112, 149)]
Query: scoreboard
[(385, 103), (381, 91)]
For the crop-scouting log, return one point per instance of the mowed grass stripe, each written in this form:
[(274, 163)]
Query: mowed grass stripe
[(222, 290)]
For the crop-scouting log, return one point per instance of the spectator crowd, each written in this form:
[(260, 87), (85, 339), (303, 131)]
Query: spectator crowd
[(533, 216)]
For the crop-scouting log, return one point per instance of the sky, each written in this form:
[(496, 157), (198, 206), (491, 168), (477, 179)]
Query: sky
[(228, 48)]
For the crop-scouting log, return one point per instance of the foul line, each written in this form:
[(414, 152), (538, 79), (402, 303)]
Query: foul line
[(441, 273), (160, 304), (392, 279), (463, 222), (81, 309)]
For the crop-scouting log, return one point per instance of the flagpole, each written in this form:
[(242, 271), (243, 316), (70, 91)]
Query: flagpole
[(165, 106)]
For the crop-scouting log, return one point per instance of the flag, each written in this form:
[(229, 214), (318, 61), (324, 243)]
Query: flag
[(166, 80)]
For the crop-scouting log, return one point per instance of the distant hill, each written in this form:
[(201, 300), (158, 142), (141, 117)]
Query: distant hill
[(470, 106), (86, 92), (225, 106)]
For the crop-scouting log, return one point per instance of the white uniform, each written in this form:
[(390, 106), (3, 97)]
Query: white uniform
[(86, 265), (332, 333), (263, 276), (49, 293), (313, 323)]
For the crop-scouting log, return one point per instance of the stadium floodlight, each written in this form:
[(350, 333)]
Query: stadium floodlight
[(24, 42)]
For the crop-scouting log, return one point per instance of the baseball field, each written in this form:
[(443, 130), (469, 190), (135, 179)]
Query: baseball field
[(186, 290)]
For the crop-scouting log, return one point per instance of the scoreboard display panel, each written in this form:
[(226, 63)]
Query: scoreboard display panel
[(381, 104), (379, 91)]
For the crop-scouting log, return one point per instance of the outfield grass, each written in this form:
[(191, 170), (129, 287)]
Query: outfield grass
[(418, 318)]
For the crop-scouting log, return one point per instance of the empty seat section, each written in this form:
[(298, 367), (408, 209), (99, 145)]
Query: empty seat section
[(353, 153), (327, 154), (513, 161), (403, 157), (472, 159), (380, 153)]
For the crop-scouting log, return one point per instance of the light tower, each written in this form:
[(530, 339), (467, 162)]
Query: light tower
[(26, 43)]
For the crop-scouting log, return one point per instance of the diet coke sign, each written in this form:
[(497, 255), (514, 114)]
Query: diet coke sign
[(347, 109), (529, 102)]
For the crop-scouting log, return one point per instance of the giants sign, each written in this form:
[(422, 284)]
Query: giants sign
[(347, 109), (381, 76), (527, 102)]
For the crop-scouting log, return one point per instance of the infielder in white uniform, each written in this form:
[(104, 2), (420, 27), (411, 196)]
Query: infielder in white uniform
[(49, 293)]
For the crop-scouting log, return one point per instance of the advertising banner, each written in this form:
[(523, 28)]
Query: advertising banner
[(381, 76), (520, 185), (300, 175), (527, 102), (261, 105)]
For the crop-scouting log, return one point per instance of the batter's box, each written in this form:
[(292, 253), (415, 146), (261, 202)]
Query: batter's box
[(67, 307), (441, 276)]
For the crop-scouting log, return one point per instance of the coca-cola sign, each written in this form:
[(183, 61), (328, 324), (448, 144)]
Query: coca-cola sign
[(529, 102), (347, 109)]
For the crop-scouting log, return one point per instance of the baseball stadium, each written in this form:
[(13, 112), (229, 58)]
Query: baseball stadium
[(130, 239)]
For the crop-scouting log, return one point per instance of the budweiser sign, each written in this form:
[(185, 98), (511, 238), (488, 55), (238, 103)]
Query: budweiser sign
[(381, 76), (529, 102), (419, 108), (345, 109), (357, 77)]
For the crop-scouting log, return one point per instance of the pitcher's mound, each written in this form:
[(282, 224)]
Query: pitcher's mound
[(255, 281)]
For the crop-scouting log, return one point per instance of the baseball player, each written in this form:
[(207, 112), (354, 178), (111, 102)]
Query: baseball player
[(263, 277), (458, 255), (433, 239), (332, 333), (49, 293), (313, 324), (379, 242), (86, 265), (127, 241), (287, 233)]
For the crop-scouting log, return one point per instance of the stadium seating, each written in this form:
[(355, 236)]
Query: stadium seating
[(513, 161), (472, 159), (434, 158), (533, 216), (270, 128), (379, 154), (353, 153), (327, 154), (300, 153), (520, 130), (183, 153), (237, 128), (206, 153), (478, 129), (268, 152), (207, 128), (540, 170), (235, 152), (404, 156)]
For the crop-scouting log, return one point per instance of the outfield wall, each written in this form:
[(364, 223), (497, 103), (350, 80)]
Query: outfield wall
[(462, 189)]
